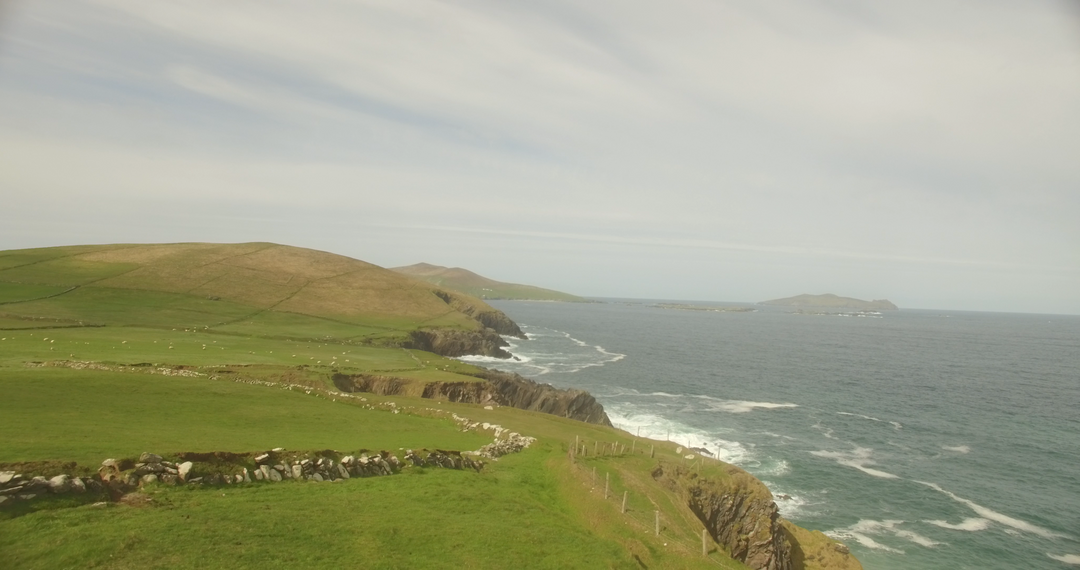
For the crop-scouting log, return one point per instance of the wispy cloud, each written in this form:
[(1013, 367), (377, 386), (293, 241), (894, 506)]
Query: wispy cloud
[(926, 143)]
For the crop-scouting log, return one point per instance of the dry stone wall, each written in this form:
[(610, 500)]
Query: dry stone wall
[(119, 476)]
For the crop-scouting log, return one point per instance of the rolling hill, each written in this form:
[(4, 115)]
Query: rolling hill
[(250, 288), (469, 283), (209, 405)]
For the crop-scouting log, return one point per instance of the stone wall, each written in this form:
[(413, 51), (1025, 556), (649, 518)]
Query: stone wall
[(119, 476)]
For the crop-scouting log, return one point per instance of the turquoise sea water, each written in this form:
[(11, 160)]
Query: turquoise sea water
[(922, 439)]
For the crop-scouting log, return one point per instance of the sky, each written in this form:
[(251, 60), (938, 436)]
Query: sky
[(927, 152)]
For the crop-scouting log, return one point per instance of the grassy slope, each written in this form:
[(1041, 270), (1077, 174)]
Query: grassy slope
[(465, 281), (535, 509)]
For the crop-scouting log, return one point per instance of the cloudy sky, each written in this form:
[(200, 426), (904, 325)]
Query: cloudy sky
[(924, 151)]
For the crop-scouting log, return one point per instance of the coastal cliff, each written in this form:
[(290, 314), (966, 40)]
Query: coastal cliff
[(739, 513), (453, 342), (493, 319), (457, 342), (500, 388)]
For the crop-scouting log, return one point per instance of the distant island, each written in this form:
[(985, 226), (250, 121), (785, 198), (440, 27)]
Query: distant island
[(830, 301), (685, 307), (469, 283)]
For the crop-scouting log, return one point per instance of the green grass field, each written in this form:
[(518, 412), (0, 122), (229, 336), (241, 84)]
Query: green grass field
[(110, 351)]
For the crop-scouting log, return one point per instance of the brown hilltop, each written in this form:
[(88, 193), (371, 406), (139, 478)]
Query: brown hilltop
[(268, 279), (470, 283)]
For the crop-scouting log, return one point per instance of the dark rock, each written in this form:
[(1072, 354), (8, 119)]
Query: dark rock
[(738, 512), (457, 342), (502, 388)]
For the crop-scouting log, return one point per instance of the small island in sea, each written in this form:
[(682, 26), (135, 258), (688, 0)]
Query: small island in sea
[(469, 283), (831, 301), (686, 307)]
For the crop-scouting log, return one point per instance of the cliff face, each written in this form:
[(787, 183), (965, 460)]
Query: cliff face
[(457, 342), (738, 511), (498, 388), (493, 319)]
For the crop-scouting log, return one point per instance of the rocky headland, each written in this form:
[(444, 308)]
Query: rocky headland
[(492, 388)]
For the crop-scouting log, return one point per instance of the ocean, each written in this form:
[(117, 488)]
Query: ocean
[(921, 439)]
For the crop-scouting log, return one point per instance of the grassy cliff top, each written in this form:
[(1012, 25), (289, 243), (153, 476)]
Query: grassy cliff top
[(110, 351), (465, 281)]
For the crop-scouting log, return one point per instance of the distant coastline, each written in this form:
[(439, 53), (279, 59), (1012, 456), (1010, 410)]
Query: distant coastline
[(831, 301)]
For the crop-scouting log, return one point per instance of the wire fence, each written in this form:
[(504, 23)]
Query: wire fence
[(628, 501)]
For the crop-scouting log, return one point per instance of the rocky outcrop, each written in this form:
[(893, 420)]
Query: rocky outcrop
[(500, 323), (457, 342), (502, 388), (491, 318), (738, 511)]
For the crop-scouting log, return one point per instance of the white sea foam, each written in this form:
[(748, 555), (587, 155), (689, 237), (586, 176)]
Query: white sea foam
[(871, 418), (714, 404), (858, 458), (653, 426), (996, 516), (860, 531), (1066, 558), (775, 468), (957, 448), (743, 406), (576, 341), (480, 358), (917, 538), (970, 524), (546, 351), (895, 425), (793, 503)]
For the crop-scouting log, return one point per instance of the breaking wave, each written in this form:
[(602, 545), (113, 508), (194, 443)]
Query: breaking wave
[(996, 516)]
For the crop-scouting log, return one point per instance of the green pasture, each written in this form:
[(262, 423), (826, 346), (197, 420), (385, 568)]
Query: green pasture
[(207, 348), (242, 315), (534, 509), (85, 416), (426, 518)]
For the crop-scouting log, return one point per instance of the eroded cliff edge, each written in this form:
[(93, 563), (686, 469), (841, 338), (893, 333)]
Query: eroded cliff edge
[(453, 342), (739, 513), (502, 388)]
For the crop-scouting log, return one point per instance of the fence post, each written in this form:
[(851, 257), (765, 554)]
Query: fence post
[(704, 545), (652, 451), (624, 502), (607, 483)]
